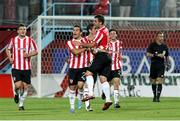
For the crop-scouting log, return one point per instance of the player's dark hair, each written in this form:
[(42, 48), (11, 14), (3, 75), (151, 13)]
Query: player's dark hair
[(113, 30), (164, 34), (89, 27), (78, 27), (100, 18), (21, 25), (159, 32)]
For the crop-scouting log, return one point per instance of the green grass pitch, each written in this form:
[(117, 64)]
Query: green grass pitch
[(58, 109)]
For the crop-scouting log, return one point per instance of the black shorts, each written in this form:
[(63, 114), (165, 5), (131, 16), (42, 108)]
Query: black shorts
[(157, 70), (21, 75), (101, 64), (114, 74), (75, 75)]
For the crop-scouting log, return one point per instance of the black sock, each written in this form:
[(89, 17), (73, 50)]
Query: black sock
[(159, 89), (154, 89)]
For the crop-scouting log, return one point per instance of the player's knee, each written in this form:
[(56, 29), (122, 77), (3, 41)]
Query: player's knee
[(18, 84), (116, 82), (153, 81), (160, 80), (72, 87), (102, 79), (25, 86), (88, 73), (80, 85)]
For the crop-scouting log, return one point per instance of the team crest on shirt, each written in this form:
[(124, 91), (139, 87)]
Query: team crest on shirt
[(71, 81)]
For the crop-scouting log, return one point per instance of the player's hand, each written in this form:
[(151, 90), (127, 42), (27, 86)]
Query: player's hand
[(67, 60), (167, 66), (94, 50), (161, 55), (26, 55), (76, 43)]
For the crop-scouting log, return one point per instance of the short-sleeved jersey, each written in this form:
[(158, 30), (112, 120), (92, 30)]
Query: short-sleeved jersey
[(155, 48), (19, 46), (77, 61), (102, 38), (90, 56), (115, 49)]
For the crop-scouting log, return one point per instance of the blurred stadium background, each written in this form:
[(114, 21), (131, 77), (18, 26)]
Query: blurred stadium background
[(50, 23)]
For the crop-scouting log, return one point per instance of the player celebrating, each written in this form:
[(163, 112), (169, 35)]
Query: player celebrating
[(115, 50), (98, 66), (22, 48), (77, 65), (91, 34)]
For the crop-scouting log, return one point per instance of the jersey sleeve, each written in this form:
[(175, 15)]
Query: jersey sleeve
[(150, 49), (70, 45), (98, 37), (10, 44), (33, 45), (84, 40), (167, 51)]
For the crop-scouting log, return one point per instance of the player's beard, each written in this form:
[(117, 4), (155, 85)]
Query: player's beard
[(22, 35)]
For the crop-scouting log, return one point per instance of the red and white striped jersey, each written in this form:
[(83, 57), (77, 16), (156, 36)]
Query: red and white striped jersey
[(77, 61), (19, 46), (90, 56), (115, 49), (102, 38)]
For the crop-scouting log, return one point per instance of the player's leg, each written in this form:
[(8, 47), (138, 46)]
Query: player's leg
[(115, 79), (72, 89), (154, 88), (26, 77), (153, 76), (105, 86), (90, 83), (23, 95), (160, 80), (86, 93), (80, 93), (72, 97), (95, 66), (17, 84), (87, 103), (106, 90)]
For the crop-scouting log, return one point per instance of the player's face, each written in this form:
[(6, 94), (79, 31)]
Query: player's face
[(93, 30), (113, 35), (76, 33), (22, 31), (97, 23), (160, 38)]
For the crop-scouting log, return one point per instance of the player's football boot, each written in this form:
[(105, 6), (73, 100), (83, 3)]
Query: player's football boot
[(21, 108), (72, 111), (116, 105), (87, 98), (106, 105), (16, 98), (103, 96), (154, 99), (79, 104), (157, 100), (88, 108)]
